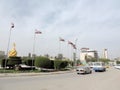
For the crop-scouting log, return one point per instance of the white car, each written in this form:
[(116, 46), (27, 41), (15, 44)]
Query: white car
[(98, 66), (117, 66), (83, 70)]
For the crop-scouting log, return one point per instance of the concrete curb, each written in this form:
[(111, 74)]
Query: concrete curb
[(33, 74)]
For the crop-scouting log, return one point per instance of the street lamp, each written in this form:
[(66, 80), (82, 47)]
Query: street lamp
[(75, 61), (12, 26)]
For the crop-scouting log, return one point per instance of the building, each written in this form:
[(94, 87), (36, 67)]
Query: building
[(105, 54), (88, 53)]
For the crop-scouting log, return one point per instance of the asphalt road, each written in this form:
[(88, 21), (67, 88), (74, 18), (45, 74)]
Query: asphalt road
[(109, 80)]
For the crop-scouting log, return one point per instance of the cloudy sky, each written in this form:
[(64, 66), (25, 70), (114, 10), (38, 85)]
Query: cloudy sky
[(91, 23)]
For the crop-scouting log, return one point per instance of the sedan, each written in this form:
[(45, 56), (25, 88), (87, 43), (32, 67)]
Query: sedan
[(117, 66), (83, 70)]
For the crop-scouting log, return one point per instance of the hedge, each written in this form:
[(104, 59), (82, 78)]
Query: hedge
[(44, 62), (11, 62), (3, 63), (59, 64), (29, 62)]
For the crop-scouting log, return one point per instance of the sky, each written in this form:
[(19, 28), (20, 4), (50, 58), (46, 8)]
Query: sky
[(94, 24)]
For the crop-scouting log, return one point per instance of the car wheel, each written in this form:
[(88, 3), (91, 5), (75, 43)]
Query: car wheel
[(95, 70)]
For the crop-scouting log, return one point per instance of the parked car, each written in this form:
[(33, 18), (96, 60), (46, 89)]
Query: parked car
[(117, 66), (83, 70), (98, 66)]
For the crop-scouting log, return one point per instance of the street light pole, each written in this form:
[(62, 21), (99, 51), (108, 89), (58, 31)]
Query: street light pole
[(75, 52), (12, 26)]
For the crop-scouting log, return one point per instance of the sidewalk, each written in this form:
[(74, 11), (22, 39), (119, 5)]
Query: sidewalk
[(32, 74)]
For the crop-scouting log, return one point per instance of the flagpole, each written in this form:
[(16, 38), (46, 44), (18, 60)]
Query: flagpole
[(68, 51), (33, 55), (8, 45), (59, 46), (34, 42)]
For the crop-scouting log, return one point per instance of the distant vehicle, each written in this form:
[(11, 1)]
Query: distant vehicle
[(24, 67), (83, 70), (117, 66), (98, 66)]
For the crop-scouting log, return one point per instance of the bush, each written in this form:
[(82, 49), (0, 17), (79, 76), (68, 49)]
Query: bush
[(0, 61), (58, 64), (12, 61), (44, 62), (29, 62), (3, 63)]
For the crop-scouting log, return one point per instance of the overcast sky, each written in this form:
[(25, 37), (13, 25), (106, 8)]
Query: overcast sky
[(95, 24)]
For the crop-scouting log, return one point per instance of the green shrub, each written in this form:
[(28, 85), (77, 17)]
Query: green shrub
[(12, 61), (3, 63), (44, 62), (29, 62), (0, 61), (58, 64)]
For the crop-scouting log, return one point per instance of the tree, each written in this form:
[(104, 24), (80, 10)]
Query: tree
[(78, 62), (104, 60), (118, 62), (90, 59)]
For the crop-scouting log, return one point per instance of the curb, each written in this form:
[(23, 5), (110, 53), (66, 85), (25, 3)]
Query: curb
[(33, 74)]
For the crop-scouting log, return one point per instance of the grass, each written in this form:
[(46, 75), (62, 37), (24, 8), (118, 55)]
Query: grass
[(20, 71), (28, 71)]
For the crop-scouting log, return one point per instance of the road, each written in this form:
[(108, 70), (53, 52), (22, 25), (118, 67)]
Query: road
[(109, 80)]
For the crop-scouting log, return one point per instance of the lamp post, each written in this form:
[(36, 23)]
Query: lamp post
[(12, 26)]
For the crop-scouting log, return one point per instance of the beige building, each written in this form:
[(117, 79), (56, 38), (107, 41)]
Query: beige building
[(105, 54), (88, 53)]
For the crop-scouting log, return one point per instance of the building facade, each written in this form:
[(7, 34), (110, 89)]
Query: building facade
[(105, 53), (88, 53)]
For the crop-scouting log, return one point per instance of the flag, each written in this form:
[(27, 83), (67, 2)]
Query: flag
[(69, 42), (12, 25), (61, 39), (74, 46), (38, 32)]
